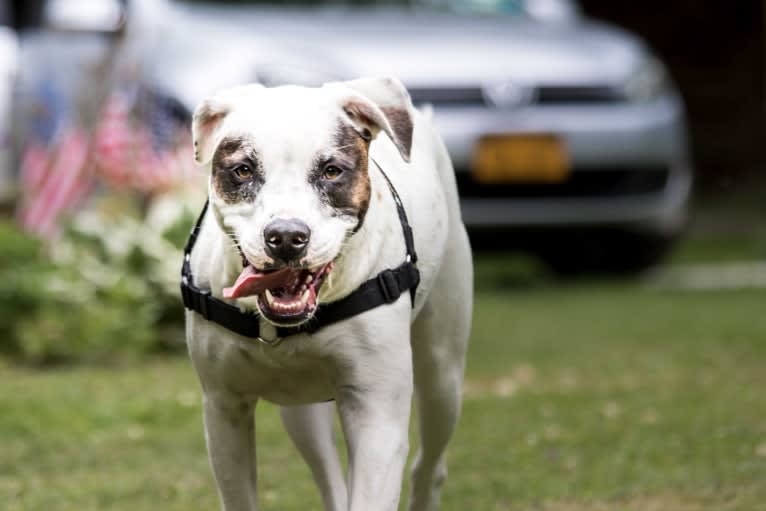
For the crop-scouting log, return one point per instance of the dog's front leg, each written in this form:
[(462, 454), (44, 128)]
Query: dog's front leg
[(374, 405), (229, 433)]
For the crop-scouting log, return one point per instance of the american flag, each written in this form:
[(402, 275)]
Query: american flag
[(144, 144), (140, 142), (55, 174)]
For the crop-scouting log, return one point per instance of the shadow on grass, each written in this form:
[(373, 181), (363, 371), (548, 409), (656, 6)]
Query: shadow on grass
[(508, 271)]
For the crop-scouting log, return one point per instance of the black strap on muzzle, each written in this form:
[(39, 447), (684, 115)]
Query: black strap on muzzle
[(382, 289)]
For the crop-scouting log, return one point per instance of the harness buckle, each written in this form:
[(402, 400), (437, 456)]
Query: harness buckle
[(185, 292), (202, 295), (389, 286)]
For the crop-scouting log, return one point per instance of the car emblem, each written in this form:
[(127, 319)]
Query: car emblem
[(507, 94)]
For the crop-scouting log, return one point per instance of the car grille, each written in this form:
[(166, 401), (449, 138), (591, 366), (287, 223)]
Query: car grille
[(543, 95), (454, 96), (577, 94), (581, 183)]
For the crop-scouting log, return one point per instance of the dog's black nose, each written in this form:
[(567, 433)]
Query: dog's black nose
[(286, 240)]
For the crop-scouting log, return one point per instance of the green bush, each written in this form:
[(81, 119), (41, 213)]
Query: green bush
[(106, 289)]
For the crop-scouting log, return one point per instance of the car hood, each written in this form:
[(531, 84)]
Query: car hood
[(422, 49)]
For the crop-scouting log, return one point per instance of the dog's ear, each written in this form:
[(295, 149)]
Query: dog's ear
[(206, 124), (381, 104), (208, 119)]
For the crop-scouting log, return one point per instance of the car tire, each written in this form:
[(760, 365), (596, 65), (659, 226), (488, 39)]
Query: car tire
[(606, 253)]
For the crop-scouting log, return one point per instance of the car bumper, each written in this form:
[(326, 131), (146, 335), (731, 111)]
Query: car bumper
[(613, 148), (664, 212)]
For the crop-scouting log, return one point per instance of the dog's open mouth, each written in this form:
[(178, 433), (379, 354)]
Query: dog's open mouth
[(286, 296)]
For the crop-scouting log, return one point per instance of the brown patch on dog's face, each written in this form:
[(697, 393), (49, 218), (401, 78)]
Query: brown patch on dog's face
[(237, 174), (348, 192)]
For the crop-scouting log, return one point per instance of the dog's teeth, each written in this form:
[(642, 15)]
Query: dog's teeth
[(289, 307), (309, 278)]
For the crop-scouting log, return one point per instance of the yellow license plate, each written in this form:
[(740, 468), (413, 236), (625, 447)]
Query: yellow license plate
[(520, 159)]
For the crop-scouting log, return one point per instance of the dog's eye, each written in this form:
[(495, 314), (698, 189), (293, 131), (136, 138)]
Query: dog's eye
[(243, 172), (331, 172)]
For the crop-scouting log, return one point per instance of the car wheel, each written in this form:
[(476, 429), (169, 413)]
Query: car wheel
[(608, 253)]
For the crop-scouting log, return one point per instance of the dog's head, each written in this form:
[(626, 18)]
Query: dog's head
[(289, 179)]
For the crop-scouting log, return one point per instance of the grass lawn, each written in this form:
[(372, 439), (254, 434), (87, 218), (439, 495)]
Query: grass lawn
[(586, 396), (581, 396)]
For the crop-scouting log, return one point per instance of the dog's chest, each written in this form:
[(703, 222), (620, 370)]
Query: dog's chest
[(283, 375), (293, 385)]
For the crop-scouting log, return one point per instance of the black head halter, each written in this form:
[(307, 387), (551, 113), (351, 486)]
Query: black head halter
[(384, 288)]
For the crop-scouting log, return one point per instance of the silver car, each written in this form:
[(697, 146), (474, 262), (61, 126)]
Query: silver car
[(8, 69), (567, 135)]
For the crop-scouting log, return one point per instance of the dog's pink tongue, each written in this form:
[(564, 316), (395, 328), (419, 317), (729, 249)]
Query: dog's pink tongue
[(251, 282)]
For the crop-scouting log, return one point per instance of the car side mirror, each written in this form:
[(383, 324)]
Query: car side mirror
[(84, 16)]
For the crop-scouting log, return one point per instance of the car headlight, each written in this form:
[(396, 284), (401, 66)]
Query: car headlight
[(648, 81)]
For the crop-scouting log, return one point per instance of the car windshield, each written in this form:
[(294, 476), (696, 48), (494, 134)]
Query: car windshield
[(495, 7)]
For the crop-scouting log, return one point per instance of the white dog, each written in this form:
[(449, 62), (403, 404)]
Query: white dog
[(301, 218)]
